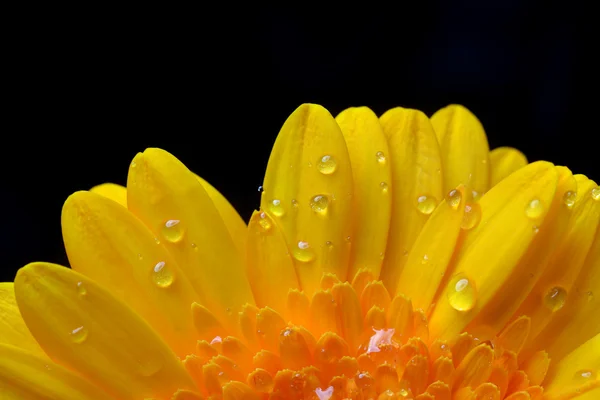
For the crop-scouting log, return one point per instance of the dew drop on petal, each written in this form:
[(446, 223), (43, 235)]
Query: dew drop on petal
[(81, 290), (303, 252), (380, 157), (327, 165), (453, 198), (462, 294), (149, 365), (534, 209), (319, 204), (260, 188), (264, 221), (329, 244), (596, 193), (569, 198), (471, 217), (172, 231), (384, 187), (426, 204), (162, 275), (276, 208), (294, 204), (79, 334), (156, 240), (590, 296), (585, 375), (140, 257), (555, 298)]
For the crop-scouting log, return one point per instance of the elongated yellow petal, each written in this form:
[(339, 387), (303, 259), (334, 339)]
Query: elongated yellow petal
[(308, 188), (511, 211), (107, 243), (503, 162), (575, 374), (232, 220), (553, 289), (464, 148), (270, 267), (95, 334), (113, 191), (24, 375), (162, 191), (431, 253), (416, 184), (494, 316), (371, 172), (13, 330)]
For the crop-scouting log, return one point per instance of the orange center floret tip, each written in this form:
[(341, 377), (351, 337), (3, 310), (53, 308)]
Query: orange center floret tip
[(353, 341)]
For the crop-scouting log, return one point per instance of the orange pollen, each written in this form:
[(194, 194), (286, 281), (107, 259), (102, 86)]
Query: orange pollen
[(353, 341)]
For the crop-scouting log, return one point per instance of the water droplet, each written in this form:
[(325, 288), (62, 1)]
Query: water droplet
[(462, 294), (264, 221), (425, 259), (329, 244), (536, 229), (172, 231), (295, 204), (140, 257), (276, 208), (596, 193), (585, 375), (471, 217), (319, 204), (569, 198), (381, 256), (133, 164), (384, 187), (476, 195), (194, 246), (327, 165), (156, 240), (149, 365), (79, 334), (348, 239), (426, 204), (162, 275), (453, 198), (380, 157), (260, 188), (303, 252), (590, 296), (555, 298), (403, 392), (324, 394), (534, 209), (81, 289)]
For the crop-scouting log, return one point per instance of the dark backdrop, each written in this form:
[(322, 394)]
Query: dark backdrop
[(87, 89)]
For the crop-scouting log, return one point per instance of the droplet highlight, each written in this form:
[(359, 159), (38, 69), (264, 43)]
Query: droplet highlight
[(327, 165), (384, 187), (569, 198), (596, 193), (303, 252), (426, 204), (585, 375), (172, 231), (264, 221), (555, 298), (462, 294), (79, 334), (162, 275), (380, 157), (471, 217), (453, 198), (81, 290), (319, 204), (534, 209), (276, 208)]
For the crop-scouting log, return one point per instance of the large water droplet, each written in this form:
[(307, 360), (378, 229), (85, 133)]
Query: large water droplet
[(79, 334), (81, 290), (585, 375), (555, 298), (384, 187), (596, 193), (303, 252), (327, 165), (172, 231), (569, 198), (534, 209), (162, 275), (471, 217), (426, 204), (453, 198), (319, 204), (264, 221), (380, 157), (276, 208), (462, 294)]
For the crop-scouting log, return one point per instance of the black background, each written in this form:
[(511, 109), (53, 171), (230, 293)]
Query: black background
[(87, 89)]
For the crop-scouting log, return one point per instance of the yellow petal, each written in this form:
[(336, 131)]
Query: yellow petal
[(270, 267), (13, 330), (503, 162), (416, 184), (553, 289), (161, 189), (308, 188), (107, 243), (496, 314), (232, 220), (577, 373), (24, 375), (510, 211), (371, 172), (432, 251), (578, 320), (464, 148), (112, 191), (95, 334)]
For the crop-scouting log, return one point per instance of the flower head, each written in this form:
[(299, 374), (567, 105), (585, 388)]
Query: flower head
[(391, 258)]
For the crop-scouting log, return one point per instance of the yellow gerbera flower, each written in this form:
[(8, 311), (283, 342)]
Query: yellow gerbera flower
[(393, 257)]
